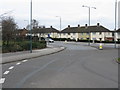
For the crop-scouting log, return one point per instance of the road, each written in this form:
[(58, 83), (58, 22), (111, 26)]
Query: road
[(78, 66)]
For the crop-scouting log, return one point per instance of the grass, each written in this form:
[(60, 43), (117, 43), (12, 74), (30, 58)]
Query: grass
[(0, 42), (118, 59)]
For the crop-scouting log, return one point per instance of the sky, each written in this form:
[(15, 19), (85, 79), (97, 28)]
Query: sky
[(119, 15), (71, 12)]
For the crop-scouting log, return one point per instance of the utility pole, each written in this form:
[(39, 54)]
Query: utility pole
[(89, 19), (60, 26), (31, 26), (115, 22)]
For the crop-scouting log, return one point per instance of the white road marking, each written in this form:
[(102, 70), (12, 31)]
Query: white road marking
[(6, 72), (11, 67), (18, 63), (24, 60), (2, 80)]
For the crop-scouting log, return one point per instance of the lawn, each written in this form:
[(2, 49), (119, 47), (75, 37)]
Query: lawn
[(118, 59)]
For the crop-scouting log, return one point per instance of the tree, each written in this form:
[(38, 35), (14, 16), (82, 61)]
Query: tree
[(8, 29), (35, 23)]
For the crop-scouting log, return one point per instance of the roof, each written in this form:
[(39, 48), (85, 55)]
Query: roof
[(21, 30), (44, 30), (97, 29), (118, 30), (85, 29)]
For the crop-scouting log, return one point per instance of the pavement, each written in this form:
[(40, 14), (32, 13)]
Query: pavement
[(18, 56), (105, 46)]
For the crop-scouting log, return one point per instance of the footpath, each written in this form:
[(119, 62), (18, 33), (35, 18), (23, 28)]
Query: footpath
[(105, 46), (17, 56)]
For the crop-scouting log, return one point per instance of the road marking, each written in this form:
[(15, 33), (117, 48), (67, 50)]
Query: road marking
[(18, 63), (6, 72), (11, 67), (2, 80), (24, 60)]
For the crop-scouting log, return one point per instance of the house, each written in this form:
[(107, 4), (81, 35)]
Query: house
[(96, 32), (45, 32), (99, 33), (22, 32), (118, 35), (70, 33)]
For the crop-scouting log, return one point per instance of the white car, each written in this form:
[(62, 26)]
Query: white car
[(49, 40)]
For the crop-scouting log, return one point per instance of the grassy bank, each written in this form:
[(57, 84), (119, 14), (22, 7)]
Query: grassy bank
[(119, 60)]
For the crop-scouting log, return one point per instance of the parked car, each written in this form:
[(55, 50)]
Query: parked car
[(49, 40)]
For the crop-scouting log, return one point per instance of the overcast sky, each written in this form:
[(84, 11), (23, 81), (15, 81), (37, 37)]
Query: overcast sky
[(71, 12)]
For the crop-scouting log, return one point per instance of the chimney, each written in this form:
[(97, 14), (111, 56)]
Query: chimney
[(68, 26), (43, 26), (51, 27), (98, 24), (78, 25), (86, 25)]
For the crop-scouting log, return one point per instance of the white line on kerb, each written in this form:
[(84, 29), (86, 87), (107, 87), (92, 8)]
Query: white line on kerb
[(2, 80), (6, 72), (11, 67), (18, 63), (24, 60)]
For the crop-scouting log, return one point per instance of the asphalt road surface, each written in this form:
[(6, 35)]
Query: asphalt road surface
[(78, 66)]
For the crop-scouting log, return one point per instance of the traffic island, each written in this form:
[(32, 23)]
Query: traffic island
[(118, 60)]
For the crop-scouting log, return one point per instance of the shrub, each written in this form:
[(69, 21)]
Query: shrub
[(21, 46)]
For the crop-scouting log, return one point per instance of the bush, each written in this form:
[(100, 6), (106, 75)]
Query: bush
[(21, 46)]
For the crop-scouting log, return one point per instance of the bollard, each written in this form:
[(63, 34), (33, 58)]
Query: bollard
[(100, 46), (65, 41)]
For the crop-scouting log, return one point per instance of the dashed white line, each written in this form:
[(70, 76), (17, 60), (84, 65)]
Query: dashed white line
[(6, 72), (18, 63), (2, 80), (24, 60), (11, 67)]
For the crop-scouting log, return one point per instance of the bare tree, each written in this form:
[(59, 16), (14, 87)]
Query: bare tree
[(8, 29), (35, 23)]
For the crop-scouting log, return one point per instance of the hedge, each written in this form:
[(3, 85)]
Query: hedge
[(22, 46)]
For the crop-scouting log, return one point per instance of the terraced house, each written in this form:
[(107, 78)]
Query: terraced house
[(118, 35), (45, 32), (97, 32)]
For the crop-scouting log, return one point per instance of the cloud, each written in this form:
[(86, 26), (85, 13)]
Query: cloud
[(71, 11)]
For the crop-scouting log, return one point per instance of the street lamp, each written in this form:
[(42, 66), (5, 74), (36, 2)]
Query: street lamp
[(115, 21), (31, 26), (60, 26), (27, 23), (89, 11), (89, 19)]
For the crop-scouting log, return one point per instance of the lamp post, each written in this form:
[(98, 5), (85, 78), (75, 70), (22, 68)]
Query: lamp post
[(115, 21), (89, 19), (27, 22), (60, 26), (31, 26)]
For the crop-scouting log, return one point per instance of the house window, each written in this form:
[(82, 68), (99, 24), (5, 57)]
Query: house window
[(94, 38), (100, 33), (94, 33), (108, 33), (73, 33), (68, 33), (87, 33), (63, 33), (118, 33), (82, 33)]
